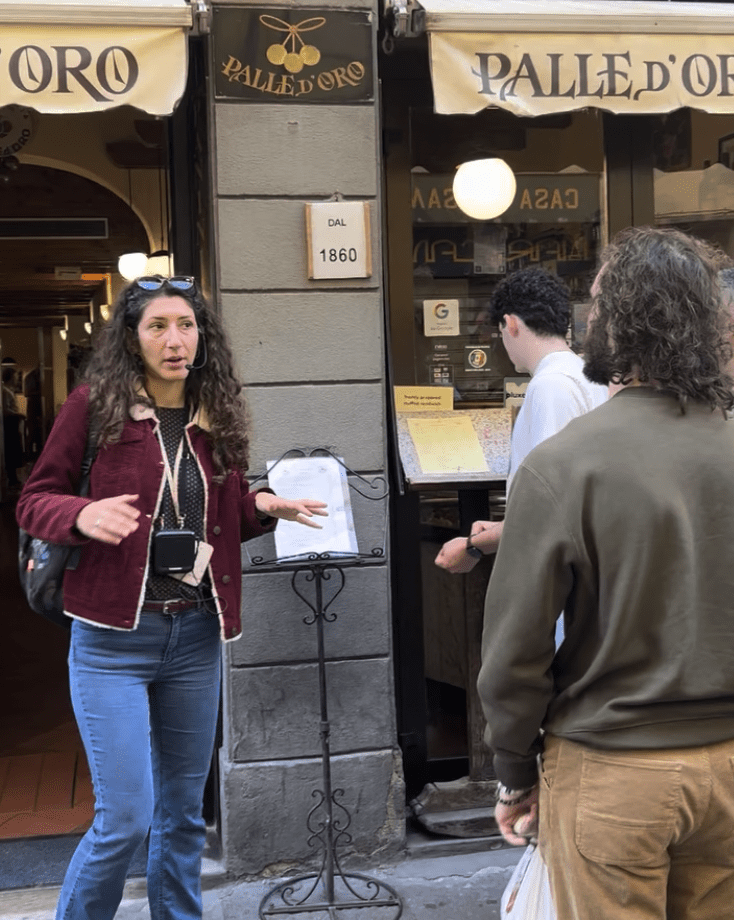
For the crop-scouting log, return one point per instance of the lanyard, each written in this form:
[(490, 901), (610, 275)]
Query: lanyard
[(174, 478)]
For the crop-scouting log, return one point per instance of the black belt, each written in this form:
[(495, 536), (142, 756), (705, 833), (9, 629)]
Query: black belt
[(179, 605)]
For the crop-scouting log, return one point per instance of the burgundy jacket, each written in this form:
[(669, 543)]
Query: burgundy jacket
[(108, 585)]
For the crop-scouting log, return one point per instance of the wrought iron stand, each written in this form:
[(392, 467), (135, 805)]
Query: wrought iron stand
[(330, 889)]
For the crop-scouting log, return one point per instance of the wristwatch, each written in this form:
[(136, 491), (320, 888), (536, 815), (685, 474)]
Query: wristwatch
[(472, 550)]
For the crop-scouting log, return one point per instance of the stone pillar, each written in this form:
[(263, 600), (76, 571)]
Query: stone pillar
[(312, 353)]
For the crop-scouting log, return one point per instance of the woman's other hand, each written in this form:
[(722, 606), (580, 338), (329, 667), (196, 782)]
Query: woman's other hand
[(109, 520), (300, 510)]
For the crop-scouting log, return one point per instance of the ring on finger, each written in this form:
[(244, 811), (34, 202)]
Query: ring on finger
[(99, 520)]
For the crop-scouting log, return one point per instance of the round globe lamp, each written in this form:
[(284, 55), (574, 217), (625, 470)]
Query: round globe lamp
[(484, 189), (131, 265)]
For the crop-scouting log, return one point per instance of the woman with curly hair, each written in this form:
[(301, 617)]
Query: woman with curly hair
[(158, 583)]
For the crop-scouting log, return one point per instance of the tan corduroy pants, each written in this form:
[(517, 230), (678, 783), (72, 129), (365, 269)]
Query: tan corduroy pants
[(643, 835)]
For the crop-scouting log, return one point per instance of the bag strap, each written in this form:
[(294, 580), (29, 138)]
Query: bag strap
[(90, 452)]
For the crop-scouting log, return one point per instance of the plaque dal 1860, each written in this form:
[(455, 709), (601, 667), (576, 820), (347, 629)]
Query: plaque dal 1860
[(338, 239)]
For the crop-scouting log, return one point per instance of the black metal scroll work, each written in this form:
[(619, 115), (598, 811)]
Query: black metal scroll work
[(376, 490), (329, 889)]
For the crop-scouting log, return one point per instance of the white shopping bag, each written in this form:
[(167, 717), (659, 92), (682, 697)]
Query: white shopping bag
[(527, 895)]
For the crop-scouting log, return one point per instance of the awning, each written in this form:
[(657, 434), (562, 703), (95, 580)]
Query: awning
[(66, 56), (533, 57)]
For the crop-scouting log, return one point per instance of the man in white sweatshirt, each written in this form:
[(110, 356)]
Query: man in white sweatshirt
[(532, 309)]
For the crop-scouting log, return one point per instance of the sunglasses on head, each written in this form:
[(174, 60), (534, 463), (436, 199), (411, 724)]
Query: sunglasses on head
[(156, 282)]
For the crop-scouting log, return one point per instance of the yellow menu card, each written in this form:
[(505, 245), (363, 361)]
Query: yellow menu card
[(447, 445)]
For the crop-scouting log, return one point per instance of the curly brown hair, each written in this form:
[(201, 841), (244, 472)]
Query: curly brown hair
[(116, 377), (659, 302)]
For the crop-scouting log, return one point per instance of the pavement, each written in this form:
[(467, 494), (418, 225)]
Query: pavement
[(461, 885)]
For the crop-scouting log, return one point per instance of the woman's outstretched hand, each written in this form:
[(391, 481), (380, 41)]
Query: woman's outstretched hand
[(300, 510), (109, 520)]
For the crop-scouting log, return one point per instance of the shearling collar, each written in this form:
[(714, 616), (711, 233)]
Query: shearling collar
[(139, 411)]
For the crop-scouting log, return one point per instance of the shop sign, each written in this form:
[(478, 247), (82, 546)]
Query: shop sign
[(537, 74), (17, 127), (98, 67), (440, 317), (287, 55), (460, 251), (338, 239), (477, 358), (424, 399), (547, 198)]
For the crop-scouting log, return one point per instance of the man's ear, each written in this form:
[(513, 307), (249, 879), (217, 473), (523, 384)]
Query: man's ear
[(512, 325)]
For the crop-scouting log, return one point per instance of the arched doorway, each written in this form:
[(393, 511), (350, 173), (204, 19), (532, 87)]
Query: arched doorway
[(60, 237)]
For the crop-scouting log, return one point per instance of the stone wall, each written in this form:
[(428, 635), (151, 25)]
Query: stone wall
[(312, 353)]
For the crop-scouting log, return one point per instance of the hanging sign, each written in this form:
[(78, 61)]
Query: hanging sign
[(540, 198), (338, 234), (293, 55), (537, 74)]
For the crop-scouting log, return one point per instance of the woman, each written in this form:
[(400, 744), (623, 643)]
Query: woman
[(158, 583)]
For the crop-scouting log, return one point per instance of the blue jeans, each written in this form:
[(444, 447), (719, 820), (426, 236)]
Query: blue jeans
[(146, 703)]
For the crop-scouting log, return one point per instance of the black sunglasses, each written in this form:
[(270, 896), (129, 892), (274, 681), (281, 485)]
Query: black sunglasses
[(156, 282)]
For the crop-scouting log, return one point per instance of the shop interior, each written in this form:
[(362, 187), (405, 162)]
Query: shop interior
[(580, 177)]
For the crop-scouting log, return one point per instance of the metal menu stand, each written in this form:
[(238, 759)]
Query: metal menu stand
[(329, 889)]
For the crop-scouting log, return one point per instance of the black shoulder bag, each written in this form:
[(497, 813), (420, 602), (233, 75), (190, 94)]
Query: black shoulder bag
[(41, 565)]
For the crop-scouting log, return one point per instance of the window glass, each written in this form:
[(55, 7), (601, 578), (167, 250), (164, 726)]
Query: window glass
[(553, 223), (694, 175)]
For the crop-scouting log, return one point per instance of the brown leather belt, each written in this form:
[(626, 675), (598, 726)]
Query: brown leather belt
[(174, 606)]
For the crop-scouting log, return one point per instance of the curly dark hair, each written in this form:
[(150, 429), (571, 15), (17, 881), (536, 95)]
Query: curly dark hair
[(658, 302), (115, 376), (540, 299)]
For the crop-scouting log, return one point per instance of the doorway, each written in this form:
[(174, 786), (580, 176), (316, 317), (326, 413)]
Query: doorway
[(55, 288), (138, 183)]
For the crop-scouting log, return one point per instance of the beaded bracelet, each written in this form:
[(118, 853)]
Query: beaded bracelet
[(504, 791)]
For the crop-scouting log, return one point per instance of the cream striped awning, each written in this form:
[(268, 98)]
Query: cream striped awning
[(87, 55), (534, 57)]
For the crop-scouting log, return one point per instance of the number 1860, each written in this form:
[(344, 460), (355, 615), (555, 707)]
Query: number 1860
[(338, 255)]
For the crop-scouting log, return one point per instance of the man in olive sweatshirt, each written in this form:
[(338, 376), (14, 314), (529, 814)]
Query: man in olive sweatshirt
[(622, 743)]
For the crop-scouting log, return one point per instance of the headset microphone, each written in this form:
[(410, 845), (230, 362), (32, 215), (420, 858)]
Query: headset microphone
[(198, 367)]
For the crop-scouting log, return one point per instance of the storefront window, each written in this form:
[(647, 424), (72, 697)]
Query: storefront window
[(553, 223), (694, 175)]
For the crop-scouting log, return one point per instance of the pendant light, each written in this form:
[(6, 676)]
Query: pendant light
[(484, 189), (160, 262), (131, 265)]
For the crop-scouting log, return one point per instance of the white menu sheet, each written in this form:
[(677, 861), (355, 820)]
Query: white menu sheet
[(323, 479)]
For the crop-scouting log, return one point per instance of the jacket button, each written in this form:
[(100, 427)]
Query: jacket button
[(225, 579), (216, 529)]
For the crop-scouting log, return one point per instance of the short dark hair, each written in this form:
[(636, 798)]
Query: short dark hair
[(540, 299), (659, 299)]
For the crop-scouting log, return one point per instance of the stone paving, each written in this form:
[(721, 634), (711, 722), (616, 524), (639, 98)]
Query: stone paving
[(461, 886)]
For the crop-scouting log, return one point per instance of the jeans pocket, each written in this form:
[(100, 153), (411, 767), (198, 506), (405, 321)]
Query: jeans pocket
[(627, 809)]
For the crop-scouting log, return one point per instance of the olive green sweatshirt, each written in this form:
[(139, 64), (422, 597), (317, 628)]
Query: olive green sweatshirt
[(624, 520)]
